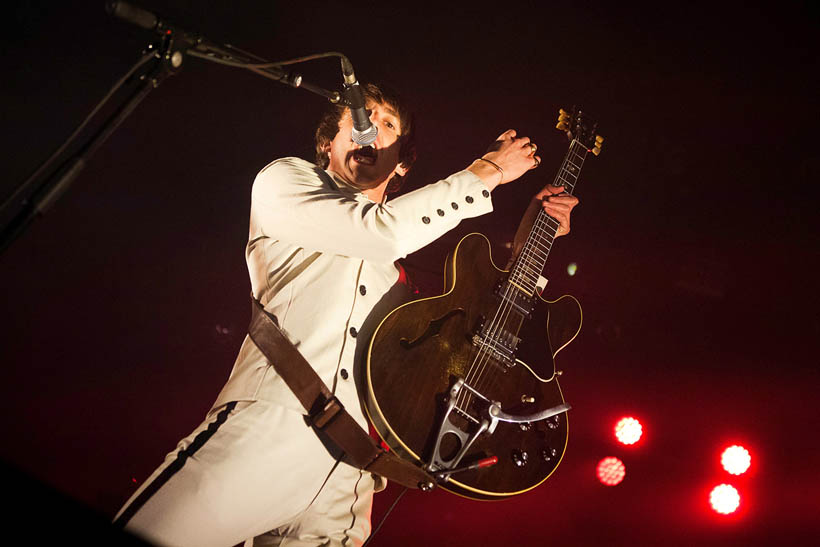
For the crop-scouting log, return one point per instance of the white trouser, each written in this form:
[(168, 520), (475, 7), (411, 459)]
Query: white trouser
[(252, 472)]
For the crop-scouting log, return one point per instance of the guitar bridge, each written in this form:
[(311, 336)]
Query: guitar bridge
[(496, 342)]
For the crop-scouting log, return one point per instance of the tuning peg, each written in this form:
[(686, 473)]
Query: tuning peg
[(562, 125), (599, 142)]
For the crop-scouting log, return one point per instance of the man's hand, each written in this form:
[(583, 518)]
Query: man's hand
[(508, 158), (558, 204)]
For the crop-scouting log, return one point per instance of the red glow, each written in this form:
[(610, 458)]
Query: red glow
[(724, 499), (628, 430), (736, 460), (611, 471)]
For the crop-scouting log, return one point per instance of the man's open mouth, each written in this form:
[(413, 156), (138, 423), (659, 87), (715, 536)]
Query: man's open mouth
[(365, 155)]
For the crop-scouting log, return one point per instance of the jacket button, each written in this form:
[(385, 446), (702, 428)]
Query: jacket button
[(485, 193), (469, 199), (425, 220), (343, 374), (454, 205), (440, 212), (362, 290), (353, 332)]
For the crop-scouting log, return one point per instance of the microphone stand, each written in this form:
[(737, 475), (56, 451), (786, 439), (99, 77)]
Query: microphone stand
[(159, 61)]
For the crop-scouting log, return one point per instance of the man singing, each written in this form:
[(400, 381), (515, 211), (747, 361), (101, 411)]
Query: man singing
[(321, 253)]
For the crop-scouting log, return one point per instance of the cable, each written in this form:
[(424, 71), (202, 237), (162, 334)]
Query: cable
[(263, 65), (387, 514)]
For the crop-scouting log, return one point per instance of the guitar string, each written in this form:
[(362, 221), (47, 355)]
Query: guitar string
[(539, 237), (542, 236), (489, 338), (529, 250), (494, 332), (477, 369)]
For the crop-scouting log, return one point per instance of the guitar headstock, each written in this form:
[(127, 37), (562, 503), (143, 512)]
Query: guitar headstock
[(580, 127)]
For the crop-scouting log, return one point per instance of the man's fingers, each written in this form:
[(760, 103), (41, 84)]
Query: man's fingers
[(509, 134)]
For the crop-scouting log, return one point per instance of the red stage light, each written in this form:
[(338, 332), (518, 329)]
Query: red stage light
[(724, 499), (628, 430), (736, 460), (611, 471)]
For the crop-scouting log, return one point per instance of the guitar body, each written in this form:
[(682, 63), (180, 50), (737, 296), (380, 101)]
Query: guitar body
[(419, 351)]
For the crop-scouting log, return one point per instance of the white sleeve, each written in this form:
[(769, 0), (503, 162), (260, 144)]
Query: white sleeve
[(290, 202)]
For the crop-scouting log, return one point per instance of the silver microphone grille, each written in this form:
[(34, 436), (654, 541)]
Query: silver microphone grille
[(363, 138)]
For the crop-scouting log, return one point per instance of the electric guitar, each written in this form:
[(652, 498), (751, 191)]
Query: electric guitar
[(465, 383)]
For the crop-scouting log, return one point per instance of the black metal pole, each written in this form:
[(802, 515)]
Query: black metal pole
[(56, 184)]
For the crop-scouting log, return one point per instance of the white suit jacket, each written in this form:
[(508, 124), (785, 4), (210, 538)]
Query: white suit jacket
[(321, 257)]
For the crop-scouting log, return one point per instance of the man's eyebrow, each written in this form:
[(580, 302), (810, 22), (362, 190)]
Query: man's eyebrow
[(391, 112)]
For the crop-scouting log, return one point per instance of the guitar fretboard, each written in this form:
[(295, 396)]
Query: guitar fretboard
[(530, 263)]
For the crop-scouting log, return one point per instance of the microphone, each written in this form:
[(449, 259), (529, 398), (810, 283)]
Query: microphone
[(364, 132), (132, 14)]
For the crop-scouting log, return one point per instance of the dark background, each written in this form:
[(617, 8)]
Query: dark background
[(696, 242)]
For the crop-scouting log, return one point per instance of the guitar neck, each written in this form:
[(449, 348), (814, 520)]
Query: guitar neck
[(529, 264)]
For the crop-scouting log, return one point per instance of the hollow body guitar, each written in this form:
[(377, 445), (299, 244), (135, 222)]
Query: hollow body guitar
[(465, 383)]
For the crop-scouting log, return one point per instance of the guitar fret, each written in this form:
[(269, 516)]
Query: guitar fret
[(544, 250), (529, 259), (528, 278), (535, 251), (543, 236), (533, 256), (527, 270), (528, 275), (528, 292), (524, 277), (525, 273)]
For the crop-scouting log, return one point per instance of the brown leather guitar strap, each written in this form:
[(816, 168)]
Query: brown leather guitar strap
[(325, 411)]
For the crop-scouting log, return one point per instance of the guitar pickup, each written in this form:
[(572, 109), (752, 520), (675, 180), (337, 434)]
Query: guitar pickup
[(516, 297)]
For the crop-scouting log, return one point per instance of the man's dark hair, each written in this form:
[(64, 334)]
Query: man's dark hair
[(329, 127)]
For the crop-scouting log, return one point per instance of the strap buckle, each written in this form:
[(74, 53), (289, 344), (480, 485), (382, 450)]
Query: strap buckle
[(326, 413)]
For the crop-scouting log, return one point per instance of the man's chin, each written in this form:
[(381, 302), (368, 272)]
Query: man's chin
[(360, 184), (364, 179)]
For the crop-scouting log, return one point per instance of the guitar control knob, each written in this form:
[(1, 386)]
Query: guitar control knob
[(519, 458), (525, 426), (549, 454), (552, 422)]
